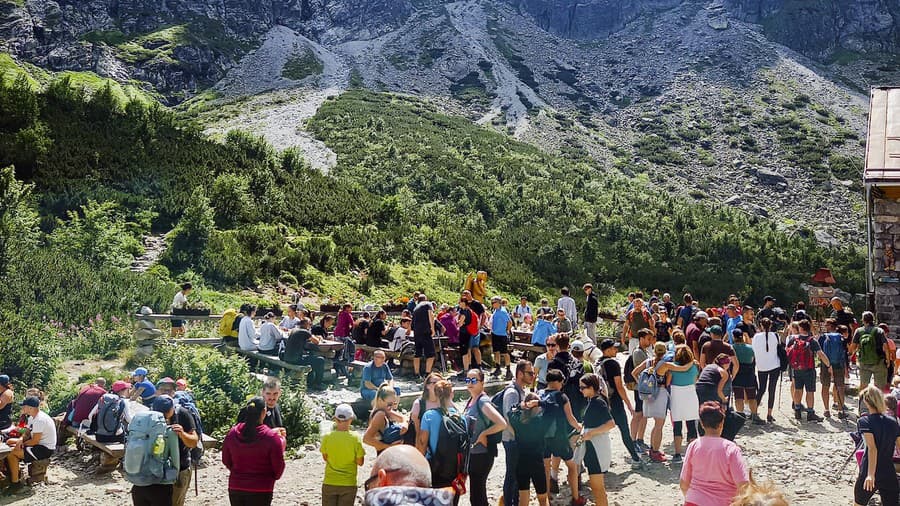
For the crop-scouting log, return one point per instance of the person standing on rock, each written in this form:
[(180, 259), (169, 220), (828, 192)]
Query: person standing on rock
[(714, 469), (591, 313), (881, 434)]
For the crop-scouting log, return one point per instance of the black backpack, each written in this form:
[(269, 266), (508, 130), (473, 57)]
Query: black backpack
[(497, 437), (186, 401), (628, 373), (451, 456)]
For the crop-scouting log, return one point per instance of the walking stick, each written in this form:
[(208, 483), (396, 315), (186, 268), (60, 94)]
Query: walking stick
[(196, 485), (780, 374)]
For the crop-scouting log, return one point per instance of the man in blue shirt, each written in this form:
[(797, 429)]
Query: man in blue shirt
[(733, 318), (374, 374), (501, 325), (142, 386)]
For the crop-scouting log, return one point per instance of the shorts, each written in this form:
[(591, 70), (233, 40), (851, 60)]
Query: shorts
[(889, 492), (558, 447), (424, 347), (152, 495), (39, 452), (500, 344), (530, 471), (598, 464), (744, 392), (638, 403), (177, 324), (875, 374), (827, 378), (805, 378), (475, 341), (463, 345)]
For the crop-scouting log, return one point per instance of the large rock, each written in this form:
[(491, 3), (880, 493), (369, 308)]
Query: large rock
[(588, 19), (767, 176)]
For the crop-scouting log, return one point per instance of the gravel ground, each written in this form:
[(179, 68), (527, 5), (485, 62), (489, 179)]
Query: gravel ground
[(803, 459)]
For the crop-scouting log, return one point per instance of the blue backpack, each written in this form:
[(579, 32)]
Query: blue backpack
[(833, 347), (151, 451), (648, 383), (186, 401)]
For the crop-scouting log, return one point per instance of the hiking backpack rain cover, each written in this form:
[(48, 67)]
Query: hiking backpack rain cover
[(151, 452)]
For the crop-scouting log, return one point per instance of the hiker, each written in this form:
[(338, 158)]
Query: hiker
[(683, 402), (180, 302), (732, 319), (435, 428), (593, 442), (401, 335), (323, 328), (891, 353), (714, 382), (248, 339), (182, 423), (501, 330), (841, 315), (375, 335), (521, 310), (290, 320), (714, 469), (577, 350), (880, 433), (744, 384), (663, 326), (386, 425), (469, 338), (591, 313), (79, 409), (374, 374), (343, 454), (572, 369), (484, 422), (428, 400), (563, 324), (7, 396), (112, 414), (610, 370), (527, 423), (558, 413), (513, 395), (832, 344), (716, 345), (801, 355), (695, 329), (297, 351), (646, 341), (870, 345), (686, 314), (567, 304), (270, 393), (636, 319), (254, 455), (423, 335), (544, 309), (269, 336), (768, 364), (655, 403), (39, 444), (543, 360)]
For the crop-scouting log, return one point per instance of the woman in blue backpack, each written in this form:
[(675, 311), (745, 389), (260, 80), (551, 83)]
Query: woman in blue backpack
[(429, 443), (484, 421)]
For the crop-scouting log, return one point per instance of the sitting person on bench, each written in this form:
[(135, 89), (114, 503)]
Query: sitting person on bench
[(402, 335), (79, 408), (291, 319), (377, 330), (143, 388), (374, 374), (297, 350), (38, 443), (6, 402), (112, 414), (248, 339), (269, 336), (323, 328)]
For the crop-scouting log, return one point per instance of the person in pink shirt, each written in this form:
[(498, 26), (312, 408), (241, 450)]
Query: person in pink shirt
[(254, 455), (344, 322), (714, 468)]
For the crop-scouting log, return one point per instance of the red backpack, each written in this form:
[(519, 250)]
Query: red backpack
[(800, 354)]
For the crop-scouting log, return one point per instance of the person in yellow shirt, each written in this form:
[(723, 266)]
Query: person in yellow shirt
[(343, 453)]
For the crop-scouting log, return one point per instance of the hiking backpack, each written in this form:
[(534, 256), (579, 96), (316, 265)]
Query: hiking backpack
[(497, 437), (186, 401), (497, 399), (227, 325), (800, 355), (110, 417), (628, 373), (868, 346), (833, 346), (648, 382), (151, 451), (450, 458)]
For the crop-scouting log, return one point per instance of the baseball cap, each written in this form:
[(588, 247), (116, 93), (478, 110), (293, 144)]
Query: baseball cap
[(4, 380), (607, 344), (577, 346), (162, 404), (344, 412), (118, 386), (32, 401), (768, 298), (717, 330), (140, 371), (701, 314), (181, 382), (165, 381)]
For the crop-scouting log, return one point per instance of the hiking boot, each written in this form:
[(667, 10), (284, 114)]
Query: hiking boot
[(640, 446), (757, 420), (677, 459), (554, 486), (811, 416), (14, 488), (657, 456), (842, 415), (509, 375), (798, 411)]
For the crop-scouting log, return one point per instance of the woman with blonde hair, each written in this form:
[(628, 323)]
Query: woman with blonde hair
[(386, 426), (881, 434), (759, 494), (428, 400), (429, 434), (683, 403)]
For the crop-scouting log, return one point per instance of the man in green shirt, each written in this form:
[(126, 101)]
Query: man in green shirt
[(343, 454)]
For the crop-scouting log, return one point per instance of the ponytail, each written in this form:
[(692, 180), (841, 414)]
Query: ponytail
[(767, 326), (252, 411)]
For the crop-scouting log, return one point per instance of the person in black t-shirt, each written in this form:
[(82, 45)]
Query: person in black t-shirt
[(768, 309), (610, 370), (324, 327), (881, 434), (377, 330), (423, 334), (271, 392), (296, 351), (182, 423)]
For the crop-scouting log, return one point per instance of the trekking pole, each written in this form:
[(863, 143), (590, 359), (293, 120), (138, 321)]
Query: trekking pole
[(196, 479)]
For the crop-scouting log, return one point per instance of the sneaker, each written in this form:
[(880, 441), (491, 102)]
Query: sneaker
[(677, 459), (798, 411), (827, 414), (554, 486), (842, 415), (659, 457), (640, 446), (509, 375), (579, 501), (811, 416), (496, 373), (757, 420), (770, 419), (637, 465), (14, 488)]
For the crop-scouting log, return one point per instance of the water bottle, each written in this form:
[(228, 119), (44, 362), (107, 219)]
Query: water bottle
[(159, 447)]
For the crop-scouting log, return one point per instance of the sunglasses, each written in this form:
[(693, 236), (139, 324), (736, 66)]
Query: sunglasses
[(551, 345), (471, 381)]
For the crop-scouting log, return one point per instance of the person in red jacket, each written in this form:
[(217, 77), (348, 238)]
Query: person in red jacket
[(254, 454)]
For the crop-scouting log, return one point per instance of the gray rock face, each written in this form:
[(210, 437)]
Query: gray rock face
[(819, 28), (580, 19), (766, 176)]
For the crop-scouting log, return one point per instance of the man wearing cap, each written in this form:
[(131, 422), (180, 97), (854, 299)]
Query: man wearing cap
[(591, 313), (143, 388), (120, 389), (694, 330), (182, 424), (343, 453), (6, 402), (715, 346), (610, 370), (165, 386), (768, 309), (39, 445)]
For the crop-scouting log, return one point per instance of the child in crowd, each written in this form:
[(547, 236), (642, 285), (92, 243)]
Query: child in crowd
[(343, 454)]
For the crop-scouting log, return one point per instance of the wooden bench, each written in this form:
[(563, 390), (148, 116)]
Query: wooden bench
[(528, 350), (295, 370), (110, 453)]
